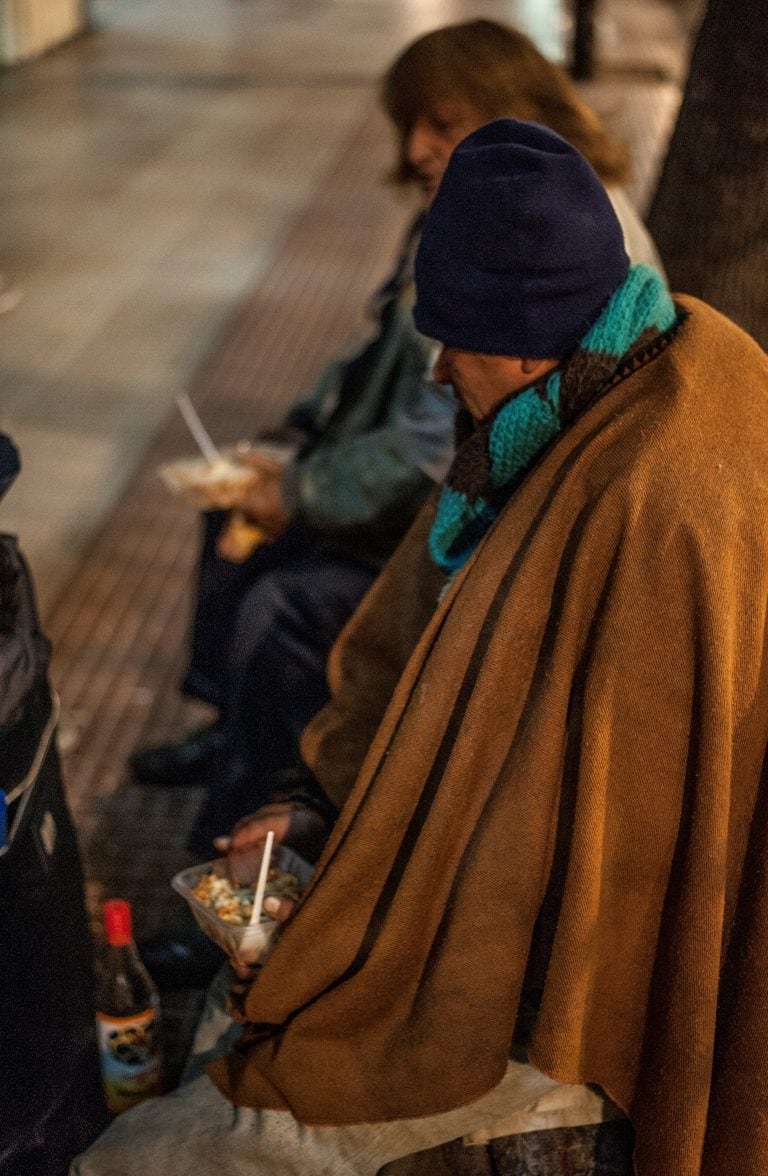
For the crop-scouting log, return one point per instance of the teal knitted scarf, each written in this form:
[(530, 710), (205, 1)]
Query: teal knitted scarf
[(493, 455)]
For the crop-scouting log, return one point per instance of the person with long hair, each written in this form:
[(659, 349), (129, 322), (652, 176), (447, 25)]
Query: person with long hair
[(451, 80)]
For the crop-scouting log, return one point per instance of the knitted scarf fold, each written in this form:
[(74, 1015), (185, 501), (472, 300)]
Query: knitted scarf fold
[(494, 454)]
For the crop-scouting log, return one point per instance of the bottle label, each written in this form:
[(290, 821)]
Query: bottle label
[(130, 1058)]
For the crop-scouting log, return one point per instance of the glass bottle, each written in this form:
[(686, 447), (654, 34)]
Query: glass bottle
[(127, 1016)]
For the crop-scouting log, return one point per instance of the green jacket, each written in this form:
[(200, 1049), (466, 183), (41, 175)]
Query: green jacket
[(358, 479)]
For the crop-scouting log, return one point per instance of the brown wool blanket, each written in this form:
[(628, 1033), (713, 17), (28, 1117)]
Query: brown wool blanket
[(569, 781)]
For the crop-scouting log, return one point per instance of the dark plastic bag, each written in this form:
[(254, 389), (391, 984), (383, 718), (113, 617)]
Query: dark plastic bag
[(50, 1087)]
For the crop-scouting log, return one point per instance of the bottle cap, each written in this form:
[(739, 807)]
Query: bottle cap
[(118, 922)]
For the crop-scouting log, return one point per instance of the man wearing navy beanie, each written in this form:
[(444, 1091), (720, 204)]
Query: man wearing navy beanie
[(541, 922), (521, 249)]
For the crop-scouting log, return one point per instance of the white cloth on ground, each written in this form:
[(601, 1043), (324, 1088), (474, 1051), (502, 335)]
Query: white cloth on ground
[(196, 1130)]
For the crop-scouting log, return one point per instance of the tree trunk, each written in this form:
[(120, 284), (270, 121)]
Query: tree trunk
[(709, 216)]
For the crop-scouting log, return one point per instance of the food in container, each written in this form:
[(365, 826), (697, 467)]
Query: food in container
[(232, 900), (222, 904), (217, 483)]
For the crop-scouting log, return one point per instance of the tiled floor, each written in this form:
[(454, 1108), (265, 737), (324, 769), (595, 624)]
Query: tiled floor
[(193, 200)]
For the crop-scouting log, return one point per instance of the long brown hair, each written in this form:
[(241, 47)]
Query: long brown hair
[(501, 73)]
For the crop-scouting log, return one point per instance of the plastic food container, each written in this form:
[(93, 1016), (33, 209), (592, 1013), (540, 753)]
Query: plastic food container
[(209, 484), (248, 944), (219, 483)]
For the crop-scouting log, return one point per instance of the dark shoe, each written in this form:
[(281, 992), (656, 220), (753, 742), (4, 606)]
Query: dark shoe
[(182, 963), (188, 763)]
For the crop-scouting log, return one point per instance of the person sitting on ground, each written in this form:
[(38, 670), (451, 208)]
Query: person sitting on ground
[(545, 895), (377, 435)]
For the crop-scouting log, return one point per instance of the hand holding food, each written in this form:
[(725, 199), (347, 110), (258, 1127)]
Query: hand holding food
[(250, 832), (293, 823), (261, 500)]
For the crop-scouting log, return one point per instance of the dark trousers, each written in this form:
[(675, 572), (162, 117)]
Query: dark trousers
[(221, 588), (261, 637)]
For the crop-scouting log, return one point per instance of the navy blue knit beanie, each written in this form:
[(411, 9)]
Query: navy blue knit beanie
[(521, 248)]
